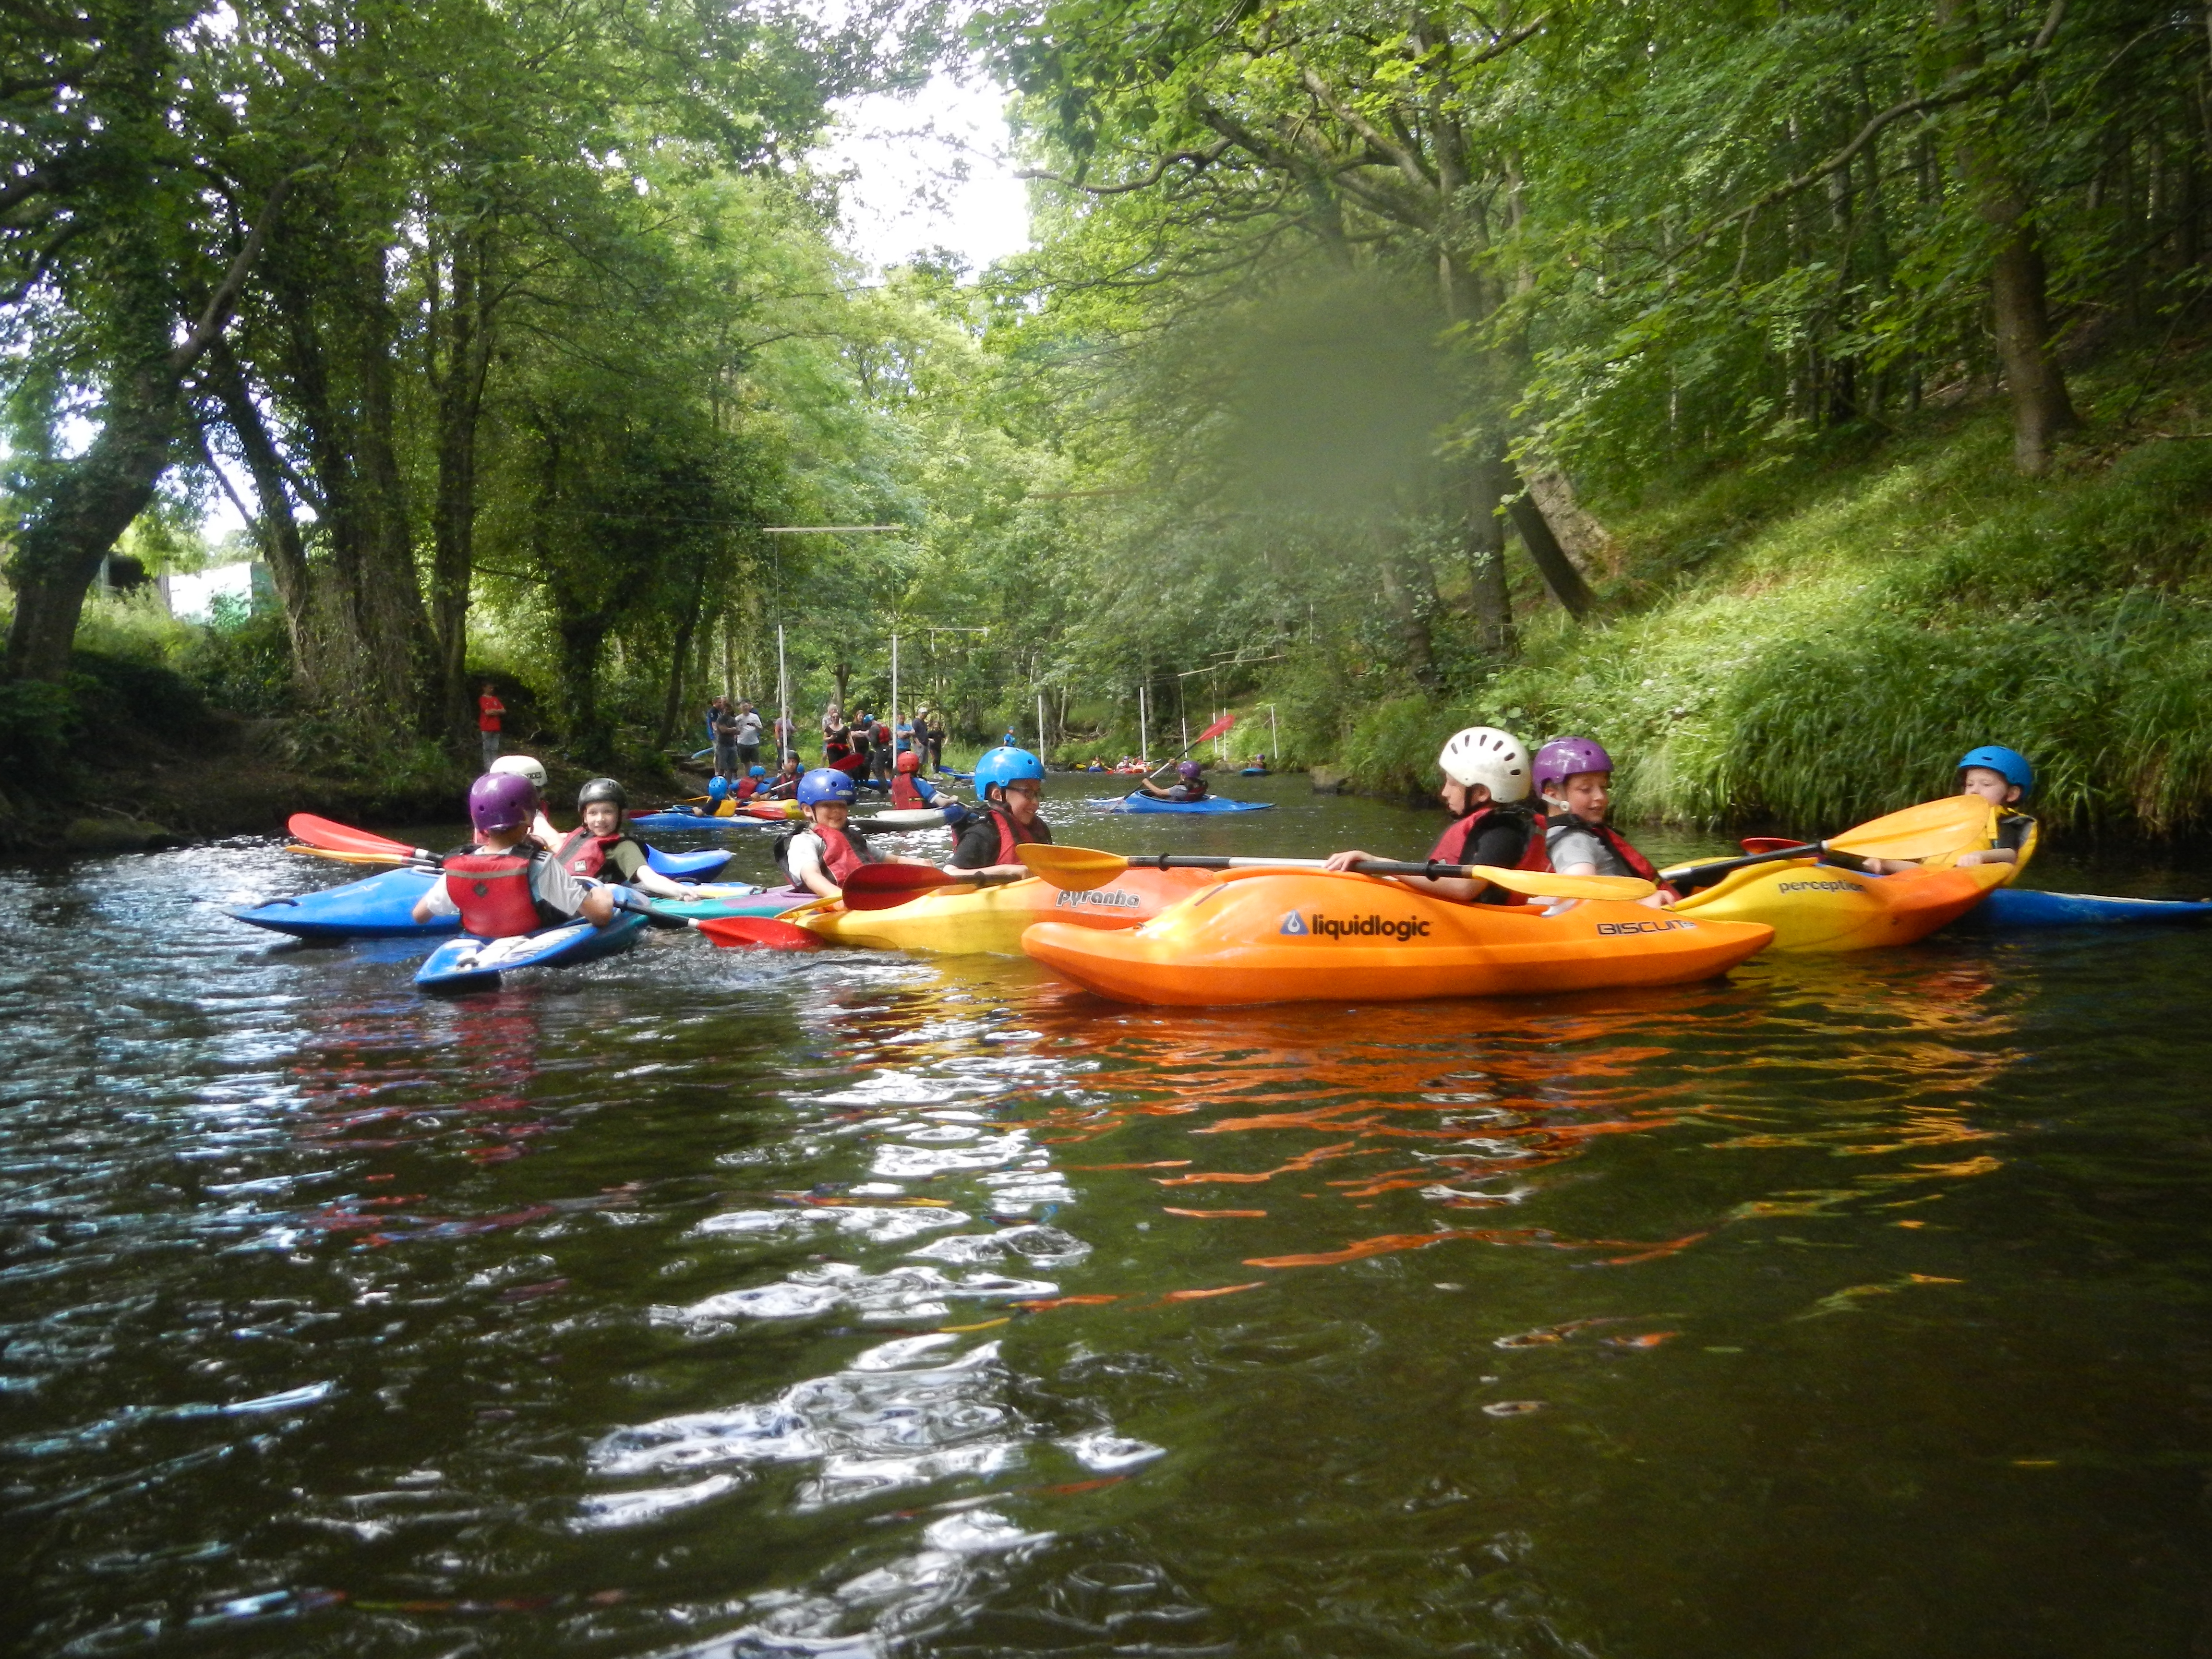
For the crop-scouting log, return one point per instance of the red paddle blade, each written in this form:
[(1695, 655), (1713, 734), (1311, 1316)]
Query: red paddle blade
[(886, 886), (764, 932), (343, 838), (1214, 730), (1767, 843)]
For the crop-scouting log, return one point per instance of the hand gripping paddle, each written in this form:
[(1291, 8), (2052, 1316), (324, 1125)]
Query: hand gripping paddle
[(1080, 869)]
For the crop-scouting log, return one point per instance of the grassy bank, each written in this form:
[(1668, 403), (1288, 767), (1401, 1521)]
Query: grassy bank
[(1810, 643)]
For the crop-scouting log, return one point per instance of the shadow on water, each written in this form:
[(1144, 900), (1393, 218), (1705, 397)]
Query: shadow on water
[(708, 1302)]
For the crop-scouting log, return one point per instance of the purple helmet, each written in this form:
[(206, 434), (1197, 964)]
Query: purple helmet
[(1191, 771), (1565, 757), (501, 800)]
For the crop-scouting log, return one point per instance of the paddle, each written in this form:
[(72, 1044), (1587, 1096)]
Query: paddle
[(766, 932), (337, 857), (887, 886), (1767, 843), (1929, 830), (343, 838), (1211, 732), (1080, 869)]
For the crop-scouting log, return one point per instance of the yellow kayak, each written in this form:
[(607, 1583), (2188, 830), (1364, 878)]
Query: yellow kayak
[(1817, 906), (990, 921)]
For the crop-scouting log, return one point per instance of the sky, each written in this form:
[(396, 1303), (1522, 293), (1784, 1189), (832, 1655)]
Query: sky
[(932, 171)]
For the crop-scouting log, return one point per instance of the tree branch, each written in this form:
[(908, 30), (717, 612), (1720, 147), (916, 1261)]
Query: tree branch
[(216, 317), (1204, 157)]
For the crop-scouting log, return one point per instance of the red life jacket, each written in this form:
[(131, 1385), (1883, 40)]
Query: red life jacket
[(493, 892), (584, 854), (843, 851), (1622, 850), (1451, 846), (904, 793), (1012, 834), (747, 788)]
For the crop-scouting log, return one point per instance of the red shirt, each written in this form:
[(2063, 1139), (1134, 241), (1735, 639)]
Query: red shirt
[(489, 709)]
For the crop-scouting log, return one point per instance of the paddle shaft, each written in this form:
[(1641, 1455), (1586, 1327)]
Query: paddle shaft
[(1704, 875), (1434, 869)]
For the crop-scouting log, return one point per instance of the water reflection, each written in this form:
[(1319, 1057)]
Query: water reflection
[(712, 1304)]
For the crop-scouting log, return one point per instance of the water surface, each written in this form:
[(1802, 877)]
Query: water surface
[(704, 1302)]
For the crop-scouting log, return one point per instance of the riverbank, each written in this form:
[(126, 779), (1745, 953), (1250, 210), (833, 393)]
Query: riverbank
[(1812, 643)]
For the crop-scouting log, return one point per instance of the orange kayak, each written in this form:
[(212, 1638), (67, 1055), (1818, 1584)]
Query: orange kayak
[(1818, 907), (1305, 936)]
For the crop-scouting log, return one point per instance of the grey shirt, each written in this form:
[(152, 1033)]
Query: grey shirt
[(1570, 845)]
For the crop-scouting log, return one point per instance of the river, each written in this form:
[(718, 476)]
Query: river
[(715, 1303)]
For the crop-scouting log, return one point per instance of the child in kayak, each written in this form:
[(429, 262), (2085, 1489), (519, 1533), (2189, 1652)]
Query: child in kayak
[(1487, 777), (523, 766), (501, 886), (822, 854), (1009, 783), (785, 784), (2002, 777), (601, 848), (1190, 784), (909, 788), (1575, 777)]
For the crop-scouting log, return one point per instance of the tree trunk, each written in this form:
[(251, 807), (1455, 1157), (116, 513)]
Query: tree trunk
[(1485, 559), (1413, 627), (1558, 570), (59, 549), (582, 641), (278, 532), (460, 385), (2040, 408)]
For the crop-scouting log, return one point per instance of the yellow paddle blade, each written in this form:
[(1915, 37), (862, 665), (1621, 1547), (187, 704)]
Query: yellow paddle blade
[(1073, 869), (1539, 884), (353, 858), (1933, 828)]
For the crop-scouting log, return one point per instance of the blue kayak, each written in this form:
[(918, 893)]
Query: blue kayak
[(672, 820), (378, 908), (468, 963), (1141, 802), (688, 867), (2020, 906)]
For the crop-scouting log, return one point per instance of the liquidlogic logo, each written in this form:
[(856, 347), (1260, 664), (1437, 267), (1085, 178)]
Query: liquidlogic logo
[(1318, 925)]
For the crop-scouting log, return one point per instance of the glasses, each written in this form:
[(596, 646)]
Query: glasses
[(1022, 789)]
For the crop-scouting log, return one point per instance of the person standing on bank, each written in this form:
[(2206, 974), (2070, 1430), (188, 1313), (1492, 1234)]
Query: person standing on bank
[(489, 709), (722, 721), (749, 736)]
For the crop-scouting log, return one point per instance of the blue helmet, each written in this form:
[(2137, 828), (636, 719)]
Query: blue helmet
[(1003, 766), (718, 788), (826, 783), (2008, 763), (758, 772)]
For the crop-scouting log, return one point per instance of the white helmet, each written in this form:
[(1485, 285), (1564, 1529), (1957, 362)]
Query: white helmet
[(522, 766), (1486, 756)]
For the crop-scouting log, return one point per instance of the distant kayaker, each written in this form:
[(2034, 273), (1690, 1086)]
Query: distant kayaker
[(1190, 784), (1010, 785), (821, 856), (1576, 776), (910, 789), (755, 780), (1487, 776), (603, 849), (501, 886), (785, 784), (2002, 777), (488, 710), (524, 766)]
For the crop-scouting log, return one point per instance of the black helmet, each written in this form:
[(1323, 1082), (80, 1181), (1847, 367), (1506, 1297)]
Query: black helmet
[(601, 789)]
